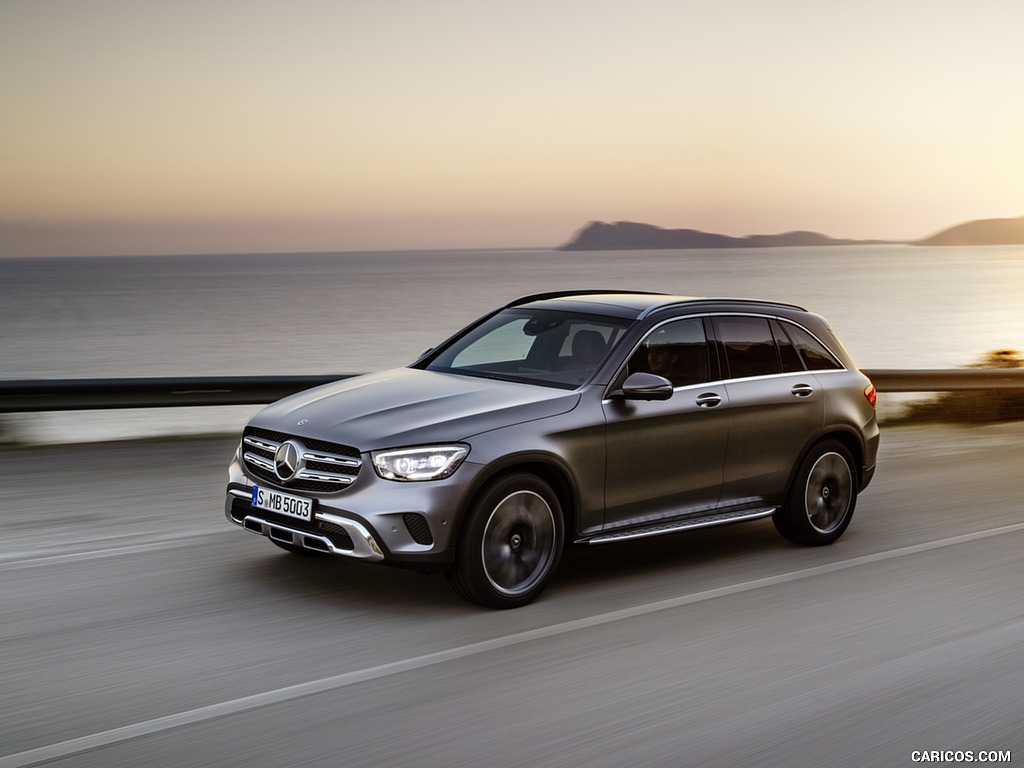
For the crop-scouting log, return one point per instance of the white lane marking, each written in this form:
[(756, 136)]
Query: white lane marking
[(335, 682)]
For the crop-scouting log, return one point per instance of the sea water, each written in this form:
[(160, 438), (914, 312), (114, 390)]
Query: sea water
[(894, 306)]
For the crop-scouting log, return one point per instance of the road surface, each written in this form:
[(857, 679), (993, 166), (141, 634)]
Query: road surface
[(139, 628)]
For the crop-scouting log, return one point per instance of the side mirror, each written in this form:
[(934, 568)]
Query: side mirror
[(646, 386)]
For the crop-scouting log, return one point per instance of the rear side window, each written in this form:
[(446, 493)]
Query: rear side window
[(812, 352), (788, 355), (749, 346)]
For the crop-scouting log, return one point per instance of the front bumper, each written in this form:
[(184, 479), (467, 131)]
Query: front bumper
[(327, 533), (372, 519)]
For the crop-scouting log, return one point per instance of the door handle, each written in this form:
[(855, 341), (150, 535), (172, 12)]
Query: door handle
[(802, 390), (709, 400)]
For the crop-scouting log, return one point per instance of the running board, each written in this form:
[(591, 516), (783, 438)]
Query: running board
[(680, 525)]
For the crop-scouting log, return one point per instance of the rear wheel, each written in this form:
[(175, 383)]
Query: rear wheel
[(510, 545), (823, 497)]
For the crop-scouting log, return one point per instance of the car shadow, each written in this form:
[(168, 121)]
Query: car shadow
[(343, 584), (676, 554), (348, 584)]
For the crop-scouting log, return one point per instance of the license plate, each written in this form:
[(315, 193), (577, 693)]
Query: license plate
[(282, 503)]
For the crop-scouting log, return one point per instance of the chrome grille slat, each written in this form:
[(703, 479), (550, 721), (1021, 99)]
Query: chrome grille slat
[(325, 477), (259, 461), (266, 445), (328, 458)]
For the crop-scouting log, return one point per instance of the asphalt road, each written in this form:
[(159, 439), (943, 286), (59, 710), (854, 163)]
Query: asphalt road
[(138, 628)]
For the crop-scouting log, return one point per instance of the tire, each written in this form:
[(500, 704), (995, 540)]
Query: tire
[(510, 544), (821, 501)]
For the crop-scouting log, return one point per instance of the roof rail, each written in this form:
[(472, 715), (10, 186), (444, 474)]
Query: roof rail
[(561, 294), (723, 300)]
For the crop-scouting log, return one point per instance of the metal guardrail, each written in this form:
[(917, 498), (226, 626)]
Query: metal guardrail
[(958, 380), (31, 396), (27, 396)]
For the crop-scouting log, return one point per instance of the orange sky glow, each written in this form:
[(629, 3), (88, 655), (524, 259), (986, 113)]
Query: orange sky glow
[(151, 127)]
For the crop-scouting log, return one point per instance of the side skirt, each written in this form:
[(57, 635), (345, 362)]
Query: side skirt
[(679, 525)]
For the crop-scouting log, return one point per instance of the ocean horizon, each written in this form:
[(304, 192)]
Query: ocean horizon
[(894, 306)]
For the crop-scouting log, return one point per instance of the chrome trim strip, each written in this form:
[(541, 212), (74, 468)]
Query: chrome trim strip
[(364, 545), (240, 494), (682, 525), (763, 376)]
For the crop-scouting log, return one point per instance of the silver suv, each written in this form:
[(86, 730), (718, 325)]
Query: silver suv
[(577, 418)]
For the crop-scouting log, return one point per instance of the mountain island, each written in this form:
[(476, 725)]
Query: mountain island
[(629, 235)]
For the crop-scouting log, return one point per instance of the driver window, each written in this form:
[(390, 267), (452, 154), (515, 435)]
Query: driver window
[(677, 350)]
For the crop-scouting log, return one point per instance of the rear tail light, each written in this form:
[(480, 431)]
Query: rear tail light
[(871, 395)]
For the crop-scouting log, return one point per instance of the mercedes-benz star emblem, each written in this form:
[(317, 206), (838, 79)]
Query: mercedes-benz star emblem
[(286, 460)]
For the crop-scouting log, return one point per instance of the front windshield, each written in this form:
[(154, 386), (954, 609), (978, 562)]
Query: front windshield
[(553, 348)]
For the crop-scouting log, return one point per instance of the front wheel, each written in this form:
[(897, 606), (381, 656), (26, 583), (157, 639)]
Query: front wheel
[(822, 499), (510, 544)]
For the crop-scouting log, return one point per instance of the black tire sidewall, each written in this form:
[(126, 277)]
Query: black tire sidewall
[(792, 520), (468, 576)]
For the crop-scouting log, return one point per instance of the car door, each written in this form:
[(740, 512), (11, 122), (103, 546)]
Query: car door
[(775, 407), (665, 458)]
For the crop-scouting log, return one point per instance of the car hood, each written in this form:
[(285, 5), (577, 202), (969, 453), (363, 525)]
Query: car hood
[(408, 406)]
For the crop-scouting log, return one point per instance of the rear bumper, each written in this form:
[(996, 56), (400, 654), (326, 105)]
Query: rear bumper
[(872, 437)]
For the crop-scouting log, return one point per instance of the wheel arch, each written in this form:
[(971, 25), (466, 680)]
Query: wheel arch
[(547, 468), (850, 441)]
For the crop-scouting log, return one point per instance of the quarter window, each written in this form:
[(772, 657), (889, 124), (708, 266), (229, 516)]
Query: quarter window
[(813, 353)]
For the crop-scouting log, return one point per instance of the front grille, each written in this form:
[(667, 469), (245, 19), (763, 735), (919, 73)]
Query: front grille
[(324, 467), (240, 509)]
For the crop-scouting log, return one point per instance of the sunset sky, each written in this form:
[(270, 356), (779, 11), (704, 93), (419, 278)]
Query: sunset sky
[(147, 126)]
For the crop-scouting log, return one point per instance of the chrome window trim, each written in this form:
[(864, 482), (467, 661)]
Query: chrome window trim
[(729, 313), (652, 329), (765, 376), (713, 383), (806, 330), (826, 347)]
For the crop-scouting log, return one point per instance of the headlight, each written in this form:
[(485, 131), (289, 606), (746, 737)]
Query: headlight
[(433, 462)]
